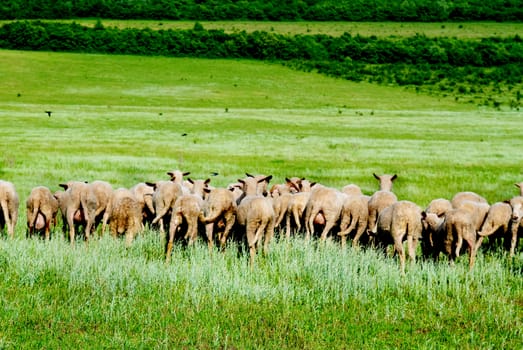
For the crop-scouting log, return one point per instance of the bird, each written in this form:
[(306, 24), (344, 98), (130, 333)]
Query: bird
[(184, 134), (214, 173), (48, 113)]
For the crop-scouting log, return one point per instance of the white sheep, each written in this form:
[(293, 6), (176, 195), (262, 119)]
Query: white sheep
[(434, 234), (439, 206), (296, 208), (80, 202), (124, 214), (281, 195), (516, 222), (164, 197), (497, 220), (399, 222), (381, 199), (42, 208), (461, 197), (187, 210), (353, 217), (256, 215), (144, 195), (219, 210), (9, 203), (461, 225), (323, 208)]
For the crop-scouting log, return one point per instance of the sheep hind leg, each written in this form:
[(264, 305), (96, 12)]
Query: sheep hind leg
[(229, 223), (398, 248)]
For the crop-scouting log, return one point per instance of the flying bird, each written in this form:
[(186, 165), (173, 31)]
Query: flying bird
[(48, 113)]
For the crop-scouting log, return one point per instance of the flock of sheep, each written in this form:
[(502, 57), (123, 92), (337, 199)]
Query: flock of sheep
[(249, 210)]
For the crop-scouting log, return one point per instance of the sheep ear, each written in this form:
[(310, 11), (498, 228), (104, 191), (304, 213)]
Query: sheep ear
[(376, 176), (423, 214), (394, 177), (287, 180), (241, 181), (170, 173), (207, 190), (190, 180), (517, 185), (267, 178), (207, 181), (313, 183), (186, 173), (249, 175), (64, 186), (151, 184)]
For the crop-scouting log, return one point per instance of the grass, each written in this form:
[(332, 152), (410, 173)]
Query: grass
[(462, 30), (121, 119)]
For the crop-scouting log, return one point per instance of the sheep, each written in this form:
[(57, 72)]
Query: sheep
[(261, 188), (219, 207), (281, 196), (385, 181), (255, 215), (9, 203), (461, 197), (42, 208), (439, 206), (377, 203), (164, 197), (434, 234), (354, 216), (323, 207), (80, 197), (177, 177), (187, 210), (144, 195), (516, 222), (459, 226), (462, 224), (520, 186), (498, 219), (399, 222), (124, 214), (352, 190), (296, 207), (103, 191), (382, 198)]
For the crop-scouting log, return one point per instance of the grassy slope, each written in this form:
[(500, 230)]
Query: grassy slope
[(121, 119), (462, 30)]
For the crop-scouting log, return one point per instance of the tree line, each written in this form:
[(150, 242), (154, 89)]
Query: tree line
[(273, 10), (449, 64)]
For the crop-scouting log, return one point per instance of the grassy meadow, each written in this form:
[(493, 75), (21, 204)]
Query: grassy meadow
[(129, 119), (461, 30)]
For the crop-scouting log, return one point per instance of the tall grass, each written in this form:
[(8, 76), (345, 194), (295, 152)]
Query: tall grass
[(121, 119)]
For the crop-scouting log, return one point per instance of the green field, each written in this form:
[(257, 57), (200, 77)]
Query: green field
[(121, 119), (462, 30)]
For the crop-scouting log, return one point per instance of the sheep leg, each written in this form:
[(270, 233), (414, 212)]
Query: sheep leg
[(269, 232), (514, 239), (47, 228), (170, 242), (229, 223), (192, 229), (8, 218), (472, 252), (70, 222), (398, 248), (361, 229), (288, 224), (209, 228), (412, 244), (329, 224)]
